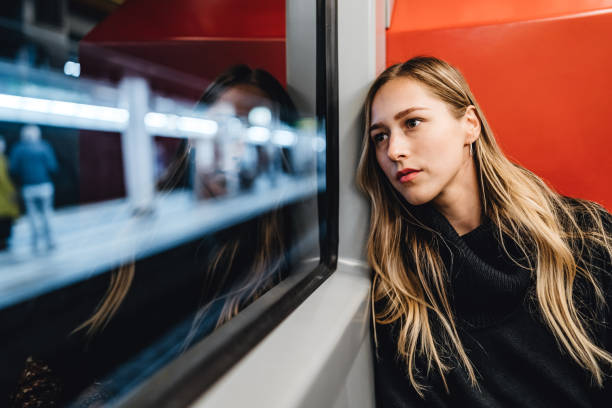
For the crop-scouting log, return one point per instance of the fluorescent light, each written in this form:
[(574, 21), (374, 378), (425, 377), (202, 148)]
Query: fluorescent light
[(164, 124), (51, 112), (156, 120), (64, 108), (258, 134), (72, 68), (36, 105), (260, 116), (69, 109), (284, 138), (9, 101), (205, 127)]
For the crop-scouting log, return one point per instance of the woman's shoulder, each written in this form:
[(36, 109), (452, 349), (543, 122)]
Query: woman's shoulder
[(590, 218), (592, 240), (587, 226), (584, 206)]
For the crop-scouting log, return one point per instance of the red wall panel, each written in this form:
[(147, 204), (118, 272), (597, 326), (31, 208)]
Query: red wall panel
[(544, 86), (411, 15)]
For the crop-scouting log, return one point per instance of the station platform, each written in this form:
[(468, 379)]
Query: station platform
[(94, 238)]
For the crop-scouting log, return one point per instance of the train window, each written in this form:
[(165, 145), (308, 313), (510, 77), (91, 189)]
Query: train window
[(166, 198)]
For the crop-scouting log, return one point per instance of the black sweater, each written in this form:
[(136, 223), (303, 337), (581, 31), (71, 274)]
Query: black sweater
[(516, 358)]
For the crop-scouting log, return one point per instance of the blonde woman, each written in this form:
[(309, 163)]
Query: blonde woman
[(489, 288)]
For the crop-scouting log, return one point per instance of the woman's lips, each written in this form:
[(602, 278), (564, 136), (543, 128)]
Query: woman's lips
[(406, 175)]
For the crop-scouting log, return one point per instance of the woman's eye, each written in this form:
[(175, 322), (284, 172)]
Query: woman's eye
[(412, 123), (379, 137)]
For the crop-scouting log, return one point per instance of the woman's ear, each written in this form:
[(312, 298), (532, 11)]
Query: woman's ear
[(472, 124)]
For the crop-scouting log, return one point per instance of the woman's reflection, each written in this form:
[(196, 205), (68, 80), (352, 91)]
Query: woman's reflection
[(236, 265)]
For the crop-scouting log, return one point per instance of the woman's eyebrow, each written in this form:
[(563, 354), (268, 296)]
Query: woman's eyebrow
[(376, 126), (399, 115)]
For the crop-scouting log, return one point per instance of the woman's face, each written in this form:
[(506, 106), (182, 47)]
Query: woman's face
[(240, 99), (420, 145)]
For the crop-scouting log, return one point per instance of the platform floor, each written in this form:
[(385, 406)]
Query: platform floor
[(94, 238)]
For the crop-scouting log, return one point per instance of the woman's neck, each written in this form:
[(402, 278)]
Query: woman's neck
[(459, 202)]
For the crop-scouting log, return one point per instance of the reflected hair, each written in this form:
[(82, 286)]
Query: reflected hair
[(233, 283), (244, 75), (557, 237), (234, 76)]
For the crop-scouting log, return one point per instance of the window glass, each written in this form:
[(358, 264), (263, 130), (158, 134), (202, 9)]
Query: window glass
[(153, 184)]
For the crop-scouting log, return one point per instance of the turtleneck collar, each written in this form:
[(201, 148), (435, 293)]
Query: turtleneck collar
[(485, 284)]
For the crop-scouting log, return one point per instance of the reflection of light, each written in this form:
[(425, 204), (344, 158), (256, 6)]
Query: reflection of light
[(8, 101), (87, 111), (318, 144), (72, 68), (101, 113), (156, 120), (64, 108), (258, 134), (284, 138), (61, 108), (260, 116), (164, 124), (36, 105), (195, 125)]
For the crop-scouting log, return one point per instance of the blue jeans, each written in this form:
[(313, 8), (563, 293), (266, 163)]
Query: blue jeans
[(39, 207)]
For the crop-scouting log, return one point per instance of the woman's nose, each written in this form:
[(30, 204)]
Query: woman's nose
[(397, 147)]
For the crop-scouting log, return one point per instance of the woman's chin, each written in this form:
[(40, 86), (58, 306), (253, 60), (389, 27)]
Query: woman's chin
[(416, 199)]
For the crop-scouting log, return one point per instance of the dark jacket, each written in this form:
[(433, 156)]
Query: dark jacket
[(33, 162)]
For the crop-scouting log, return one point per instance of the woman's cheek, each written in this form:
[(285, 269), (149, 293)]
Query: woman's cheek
[(386, 166)]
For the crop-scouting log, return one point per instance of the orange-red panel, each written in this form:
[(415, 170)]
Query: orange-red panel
[(544, 86), (409, 15)]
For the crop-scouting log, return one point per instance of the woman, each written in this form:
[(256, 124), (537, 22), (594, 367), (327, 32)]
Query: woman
[(489, 288)]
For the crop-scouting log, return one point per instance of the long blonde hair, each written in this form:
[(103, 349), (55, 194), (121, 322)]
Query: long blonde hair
[(559, 235)]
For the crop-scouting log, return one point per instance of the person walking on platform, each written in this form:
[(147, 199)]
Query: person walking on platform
[(9, 210), (32, 160)]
